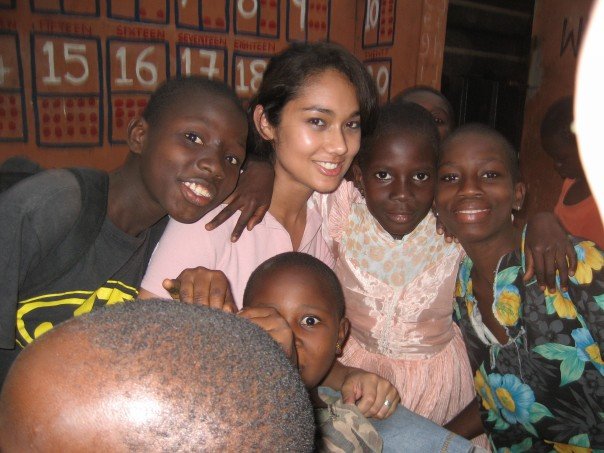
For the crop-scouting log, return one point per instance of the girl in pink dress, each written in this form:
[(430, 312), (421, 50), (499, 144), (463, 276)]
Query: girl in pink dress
[(398, 274)]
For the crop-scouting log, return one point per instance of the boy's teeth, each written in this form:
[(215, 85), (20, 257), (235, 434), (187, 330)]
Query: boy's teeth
[(328, 165), (198, 189)]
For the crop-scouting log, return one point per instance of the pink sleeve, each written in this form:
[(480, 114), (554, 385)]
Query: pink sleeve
[(339, 203), (182, 246)]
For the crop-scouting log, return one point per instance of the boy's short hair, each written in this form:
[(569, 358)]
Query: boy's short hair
[(488, 131), (404, 95), (301, 261), (174, 91), (403, 118), (223, 383)]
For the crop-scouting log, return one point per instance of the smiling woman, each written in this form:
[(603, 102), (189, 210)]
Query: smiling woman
[(314, 104), (534, 354)]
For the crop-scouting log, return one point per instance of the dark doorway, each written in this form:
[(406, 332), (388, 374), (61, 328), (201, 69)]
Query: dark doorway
[(486, 62)]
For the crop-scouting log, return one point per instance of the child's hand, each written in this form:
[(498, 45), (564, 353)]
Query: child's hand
[(547, 249), (252, 197), (201, 286), (374, 396), (277, 327)]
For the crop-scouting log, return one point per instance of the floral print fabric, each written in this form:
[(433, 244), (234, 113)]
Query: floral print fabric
[(544, 389)]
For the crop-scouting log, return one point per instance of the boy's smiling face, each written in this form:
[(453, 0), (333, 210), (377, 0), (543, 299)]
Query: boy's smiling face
[(191, 159), (304, 300)]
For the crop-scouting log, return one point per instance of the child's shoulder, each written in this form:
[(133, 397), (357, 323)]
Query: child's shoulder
[(44, 191)]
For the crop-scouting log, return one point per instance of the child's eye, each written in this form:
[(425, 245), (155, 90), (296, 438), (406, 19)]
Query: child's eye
[(317, 122), (353, 124), (232, 160), (421, 176), (194, 138), (310, 321), (437, 120), (490, 174), (449, 177), (383, 176)]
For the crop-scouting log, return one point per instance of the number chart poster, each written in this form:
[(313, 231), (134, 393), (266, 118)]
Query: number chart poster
[(74, 73)]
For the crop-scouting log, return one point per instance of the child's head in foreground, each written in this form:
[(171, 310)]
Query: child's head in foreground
[(396, 167), (154, 375), (308, 295), (478, 183), (559, 141), (190, 143), (434, 102)]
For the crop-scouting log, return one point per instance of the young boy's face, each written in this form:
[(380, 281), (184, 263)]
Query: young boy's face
[(475, 192), (304, 300), (190, 160), (399, 179)]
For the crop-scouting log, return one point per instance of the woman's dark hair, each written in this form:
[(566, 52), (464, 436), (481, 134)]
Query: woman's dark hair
[(287, 72), (403, 118)]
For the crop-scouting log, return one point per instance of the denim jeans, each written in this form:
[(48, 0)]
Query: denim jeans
[(405, 431)]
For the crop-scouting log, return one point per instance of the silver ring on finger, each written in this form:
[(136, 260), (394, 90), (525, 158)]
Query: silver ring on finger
[(387, 403)]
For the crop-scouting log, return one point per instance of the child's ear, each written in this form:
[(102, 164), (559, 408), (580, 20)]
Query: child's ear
[(358, 177), (137, 134), (519, 194), (343, 331), (263, 126)]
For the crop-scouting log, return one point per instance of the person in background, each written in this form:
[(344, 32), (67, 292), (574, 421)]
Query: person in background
[(434, 102), (576, 208)]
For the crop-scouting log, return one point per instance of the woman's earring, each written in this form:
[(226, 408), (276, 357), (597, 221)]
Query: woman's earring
[(338, 348)]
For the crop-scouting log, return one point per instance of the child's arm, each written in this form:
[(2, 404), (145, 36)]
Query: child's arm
[(199, 286), (467, 423), (252, 197), (547, 249), (276, 326), (373, 395)]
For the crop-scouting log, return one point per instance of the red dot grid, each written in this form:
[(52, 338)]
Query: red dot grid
[(10, 111), (124, 109), (70, 119)]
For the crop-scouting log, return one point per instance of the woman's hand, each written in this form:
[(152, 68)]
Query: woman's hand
[(252, 197), (547, 248), (201, 286)]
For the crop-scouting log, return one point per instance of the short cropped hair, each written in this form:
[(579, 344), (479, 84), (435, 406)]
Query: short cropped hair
[(226, 384), (403, 118), (487, 131), (298, 260), (404, 95), (287, 72), (174, 91)]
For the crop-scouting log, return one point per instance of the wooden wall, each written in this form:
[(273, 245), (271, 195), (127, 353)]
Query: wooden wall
[(558, 26), (74, 72)]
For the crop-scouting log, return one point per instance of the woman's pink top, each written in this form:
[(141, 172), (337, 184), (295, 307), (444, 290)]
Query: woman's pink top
[(185, 246)]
